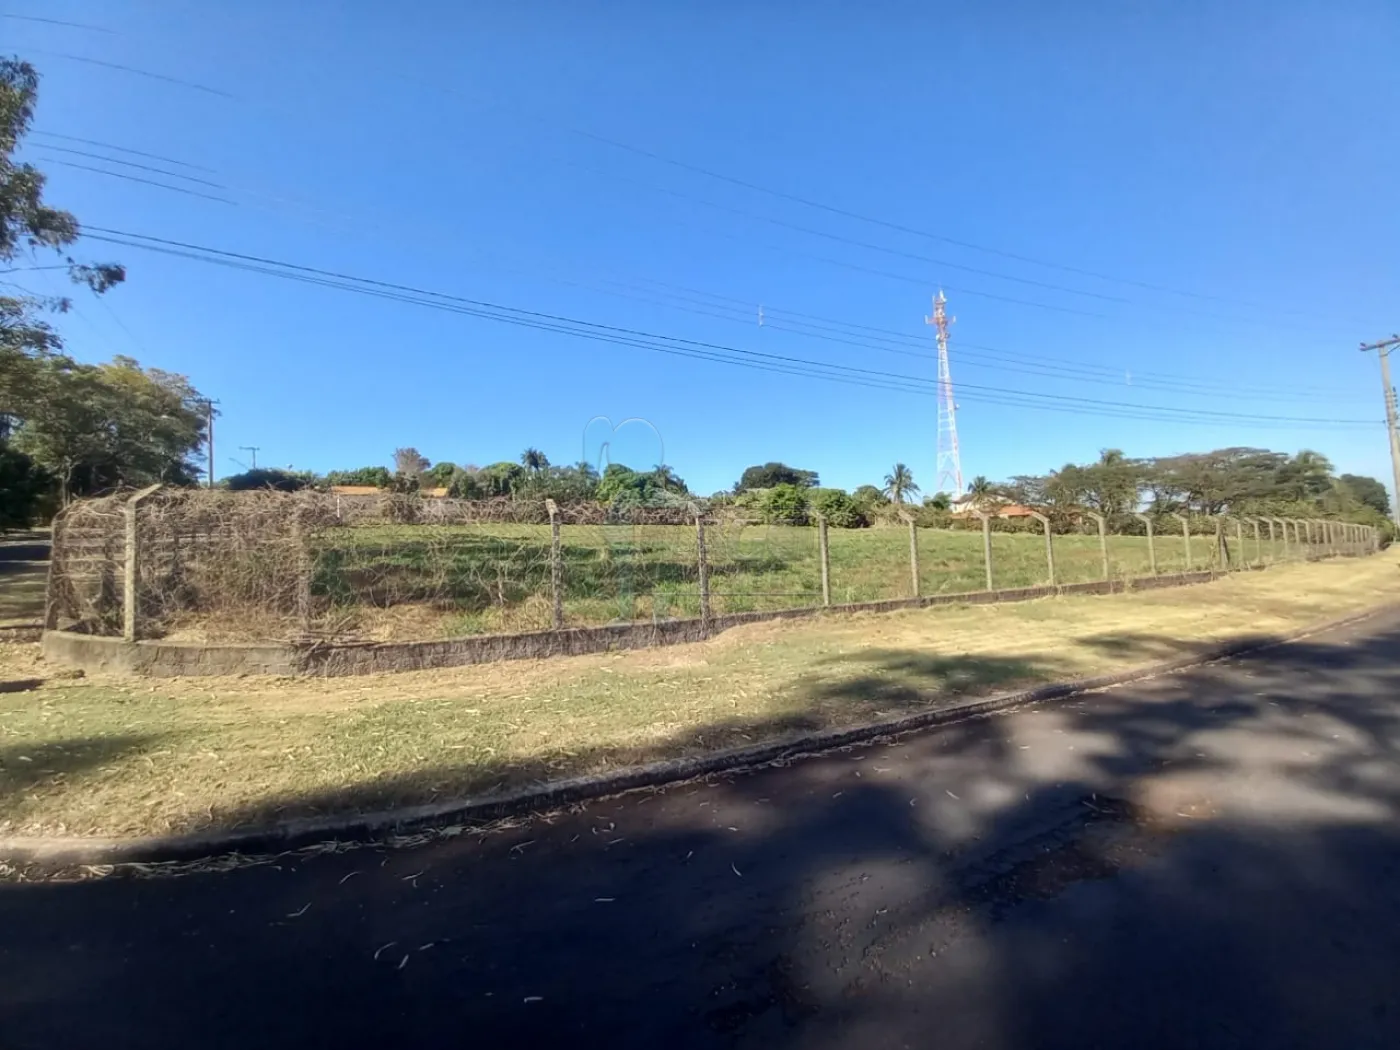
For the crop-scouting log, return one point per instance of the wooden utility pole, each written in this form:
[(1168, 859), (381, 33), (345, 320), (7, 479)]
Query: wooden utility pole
[(1384, 347)]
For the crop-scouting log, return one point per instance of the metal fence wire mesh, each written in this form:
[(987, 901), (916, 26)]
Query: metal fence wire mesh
[(251, 566)]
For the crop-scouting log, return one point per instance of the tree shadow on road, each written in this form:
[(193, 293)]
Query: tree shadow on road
[(1206, 859)]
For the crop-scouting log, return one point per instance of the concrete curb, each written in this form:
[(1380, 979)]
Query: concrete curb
[(56, 854)]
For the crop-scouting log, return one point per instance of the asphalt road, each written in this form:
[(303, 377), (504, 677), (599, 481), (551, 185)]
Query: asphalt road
[(1210, 859)]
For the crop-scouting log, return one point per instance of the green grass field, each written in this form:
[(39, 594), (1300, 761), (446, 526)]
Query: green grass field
[(451, 580)]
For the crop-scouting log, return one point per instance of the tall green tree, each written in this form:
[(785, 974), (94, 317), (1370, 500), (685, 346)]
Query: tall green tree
[(769, 475), (100, 427), (35, 234), (1367, 491), (899, 484), (533, 460)]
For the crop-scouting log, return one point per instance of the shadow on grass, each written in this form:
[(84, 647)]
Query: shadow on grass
[(1206, 859), (24, 768)]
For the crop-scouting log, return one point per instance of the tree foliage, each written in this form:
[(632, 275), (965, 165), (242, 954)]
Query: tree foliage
[(379, 477), (899, 484), (786, 504), (840, 510), (770, 475), (88, 428), (100, 427), (1367, 491), (268, 478), (1235, 480)]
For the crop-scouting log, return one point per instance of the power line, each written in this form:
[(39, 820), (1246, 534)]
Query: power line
[(674, 344), (118, 149), (59, 22), (137, 178), (134, 71), (131, 164)]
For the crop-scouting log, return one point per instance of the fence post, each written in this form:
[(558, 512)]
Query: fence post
[(1222, 550), (1298, 546), (131, 567), (826, 559), (55, 577), (702, 569), (1258, 543), (1146, 520), (987, 544), (556, 564), (1049, 545), (1239, 542), (914, 554), (1283, 535), (303, 569), (1103, 539), (1185, 536)]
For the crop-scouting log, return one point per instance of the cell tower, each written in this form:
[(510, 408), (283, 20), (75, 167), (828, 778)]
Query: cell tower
[(950, 478)]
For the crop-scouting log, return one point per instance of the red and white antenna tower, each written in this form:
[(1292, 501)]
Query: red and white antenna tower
[(950, 479)]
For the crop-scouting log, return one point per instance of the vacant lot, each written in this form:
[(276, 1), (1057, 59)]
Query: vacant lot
[(117, 756), (434, 581)]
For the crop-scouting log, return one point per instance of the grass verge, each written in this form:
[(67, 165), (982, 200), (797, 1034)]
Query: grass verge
[(123, 756)]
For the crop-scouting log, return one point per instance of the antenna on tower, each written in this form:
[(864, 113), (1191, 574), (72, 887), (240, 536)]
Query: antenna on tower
[(949, 461)]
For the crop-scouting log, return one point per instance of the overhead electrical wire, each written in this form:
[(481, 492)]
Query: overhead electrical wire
[(132, 164), (801, 324), (790, 197), (38, 132), (137, 178), (685, 347)]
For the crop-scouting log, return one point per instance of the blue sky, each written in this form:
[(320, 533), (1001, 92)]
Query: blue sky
[(513, 153)]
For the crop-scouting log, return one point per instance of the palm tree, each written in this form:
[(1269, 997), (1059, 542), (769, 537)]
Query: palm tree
[(980, 490), (533, 460), (666, 478), (900, 483)]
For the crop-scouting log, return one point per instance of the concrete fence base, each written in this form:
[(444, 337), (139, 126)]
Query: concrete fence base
[(168, 659)]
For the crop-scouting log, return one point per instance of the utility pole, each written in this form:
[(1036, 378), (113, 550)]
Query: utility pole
[(949, 457), (1383, 348), (254, 450), (209, 404)]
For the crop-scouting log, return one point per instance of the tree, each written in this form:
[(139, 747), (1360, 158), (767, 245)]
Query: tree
[(268, 478), (98, 427), (981, 491), (770, 475), (378, 477), (440, 475), (23, 484), (1367, 491), (33, 373), (409, 462), (1307, 476), (533, 460), (869, 496), (899, 483), (839, 509), (668, 480), (28, 226), (785, 505), (939, 501)]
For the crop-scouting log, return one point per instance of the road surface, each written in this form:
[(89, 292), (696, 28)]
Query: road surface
[(1209, 859)]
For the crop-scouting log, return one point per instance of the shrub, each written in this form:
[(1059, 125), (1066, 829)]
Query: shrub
[(839, 509), (786, 505), (268, 478)]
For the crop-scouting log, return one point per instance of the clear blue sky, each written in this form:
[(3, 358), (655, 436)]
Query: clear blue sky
[(1242, 151)]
